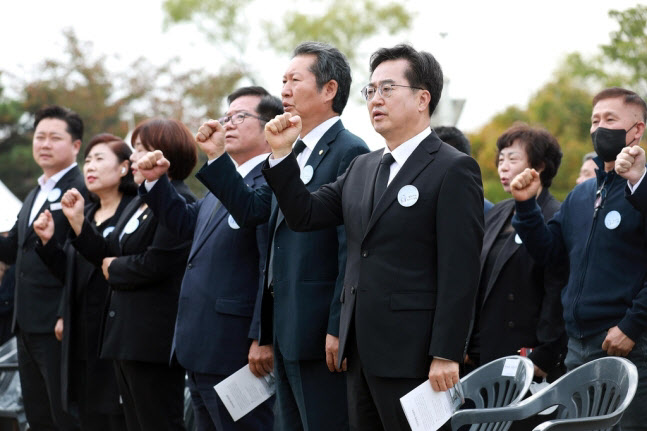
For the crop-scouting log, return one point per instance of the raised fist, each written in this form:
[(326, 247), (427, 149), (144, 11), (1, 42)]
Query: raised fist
[(281, 132), (630, 164), (73, 203), (211, 139), (525, 185), (44, 226), (153, 165)]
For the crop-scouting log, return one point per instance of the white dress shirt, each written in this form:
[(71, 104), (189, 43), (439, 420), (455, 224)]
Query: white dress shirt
[(46, 186)]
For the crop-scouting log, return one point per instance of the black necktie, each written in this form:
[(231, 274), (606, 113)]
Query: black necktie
[(298, 147), (382, 179)]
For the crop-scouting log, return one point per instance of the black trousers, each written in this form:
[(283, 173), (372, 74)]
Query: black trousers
[(152, 395), (374, 402), (39, 365)]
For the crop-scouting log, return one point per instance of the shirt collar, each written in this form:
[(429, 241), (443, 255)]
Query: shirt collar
[(315, 134), (250, 164), (404, 150), (54, 178)]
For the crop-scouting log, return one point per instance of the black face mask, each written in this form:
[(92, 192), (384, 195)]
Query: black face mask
[(609, 142)]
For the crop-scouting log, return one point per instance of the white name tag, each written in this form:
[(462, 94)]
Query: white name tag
[(55, 206)]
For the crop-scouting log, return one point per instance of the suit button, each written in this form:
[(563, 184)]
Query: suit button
[(352, 290), (511, 297), (111, 314), (511, 324), (365, 253), (189, 266)]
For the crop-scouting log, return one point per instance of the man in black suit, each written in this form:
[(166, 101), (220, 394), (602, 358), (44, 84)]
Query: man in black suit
[(216, 331), (413, 215), (304, 271), (56, 143)]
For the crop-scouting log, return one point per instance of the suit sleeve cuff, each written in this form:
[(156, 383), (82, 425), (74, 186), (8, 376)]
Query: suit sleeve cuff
[(633, 188)]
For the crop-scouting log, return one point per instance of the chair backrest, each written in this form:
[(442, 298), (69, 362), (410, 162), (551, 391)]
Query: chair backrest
[(498, 383), (601, 390), (592, 397)]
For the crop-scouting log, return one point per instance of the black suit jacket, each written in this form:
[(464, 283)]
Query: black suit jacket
[(411, 272), (84, 299), (521, 304), (144, 283), (38, 292), (308, 269)]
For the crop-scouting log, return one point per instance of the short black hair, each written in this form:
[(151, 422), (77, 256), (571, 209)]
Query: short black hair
[(542, 149), (268, 107), (71, 118), (123, 152), (330, 65), (628, 96), (454, 137), (252, 90), (424, 71)]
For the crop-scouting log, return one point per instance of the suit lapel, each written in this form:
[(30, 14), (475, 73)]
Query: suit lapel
[(23, 223), (509, 248), (415, 164), (131, 209)]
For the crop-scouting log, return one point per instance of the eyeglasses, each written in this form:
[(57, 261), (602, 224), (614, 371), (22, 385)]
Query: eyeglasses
[(385, 90), (238, 118)]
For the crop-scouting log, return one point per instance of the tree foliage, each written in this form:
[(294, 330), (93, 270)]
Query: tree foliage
[(107, 101), (341, 23)]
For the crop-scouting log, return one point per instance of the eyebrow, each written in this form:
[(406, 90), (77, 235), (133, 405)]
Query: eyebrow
[(385, 81)]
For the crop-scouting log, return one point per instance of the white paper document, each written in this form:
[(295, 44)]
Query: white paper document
[(428, 410), (242, 392)]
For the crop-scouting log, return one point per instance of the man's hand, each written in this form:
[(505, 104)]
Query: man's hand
[(72, 204), (332, 354), (617, 343), (540, 373), (105, 266), (630, 164), (443, 374), (153, 165), (58, 329), (525, 185), (281, 132), (211, 139), (261, 359), (44, 226)]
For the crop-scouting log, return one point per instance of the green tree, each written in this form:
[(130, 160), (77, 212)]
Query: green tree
[(622, 61), (341, 23), (107, 101)]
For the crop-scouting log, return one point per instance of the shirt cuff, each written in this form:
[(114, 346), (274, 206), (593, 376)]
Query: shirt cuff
[(633, 188), (273, 162), (210, 161), (150, 184)]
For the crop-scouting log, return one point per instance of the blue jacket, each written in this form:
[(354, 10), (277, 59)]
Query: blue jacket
[(607, 249), (216, 322)]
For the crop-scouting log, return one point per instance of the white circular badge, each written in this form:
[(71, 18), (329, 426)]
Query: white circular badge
[(517, 239), (107, 231), (612, 220), (54, 195), (307, 173), (408, 195), (232, 222), (131, 226)]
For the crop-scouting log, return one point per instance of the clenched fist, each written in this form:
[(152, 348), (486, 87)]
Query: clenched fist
[(73, 203), (44, 226), (525, 185), (281, 132), (630, 164), (211, 139), (153, 165)]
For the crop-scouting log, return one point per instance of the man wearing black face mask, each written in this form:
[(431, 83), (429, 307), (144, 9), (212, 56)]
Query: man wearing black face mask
[(604, 238)]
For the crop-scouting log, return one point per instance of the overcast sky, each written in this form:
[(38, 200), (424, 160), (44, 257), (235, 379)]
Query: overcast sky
[(496, 53)]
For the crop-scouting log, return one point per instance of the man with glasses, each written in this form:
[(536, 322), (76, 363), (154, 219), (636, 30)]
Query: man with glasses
[(413, 215), (304, 271), (217, 328)]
